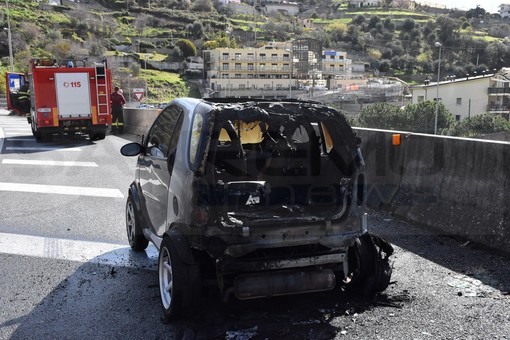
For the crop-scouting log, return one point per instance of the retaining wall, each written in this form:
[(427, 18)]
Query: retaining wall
[(138, 121), (455, 185)]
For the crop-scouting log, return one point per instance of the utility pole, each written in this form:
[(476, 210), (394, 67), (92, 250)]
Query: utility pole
[(9, 36), (438, 44)]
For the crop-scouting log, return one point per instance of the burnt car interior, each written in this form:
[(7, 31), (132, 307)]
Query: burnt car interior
[(291, 158)]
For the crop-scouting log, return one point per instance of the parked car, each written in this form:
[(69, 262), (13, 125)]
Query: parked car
[(146, 106), (263, 198)]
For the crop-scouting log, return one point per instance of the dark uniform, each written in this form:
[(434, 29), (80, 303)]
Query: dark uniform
[(117, 101)]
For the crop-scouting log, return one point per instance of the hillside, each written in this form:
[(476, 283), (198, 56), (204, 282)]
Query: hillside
[(392, 41)]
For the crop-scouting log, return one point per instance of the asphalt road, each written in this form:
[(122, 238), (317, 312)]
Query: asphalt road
[(67, 273)]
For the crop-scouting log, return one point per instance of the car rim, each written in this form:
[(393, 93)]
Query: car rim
[(130, 221), (165, 278)]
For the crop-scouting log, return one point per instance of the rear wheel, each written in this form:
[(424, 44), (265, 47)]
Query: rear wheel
[(98, 136), (35, 131), (136, 239), (370, 271), (178, 283)]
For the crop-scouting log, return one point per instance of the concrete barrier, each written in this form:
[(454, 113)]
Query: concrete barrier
[(138, 121), (455, 185)]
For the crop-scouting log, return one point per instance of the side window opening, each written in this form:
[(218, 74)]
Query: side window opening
[(160, 135)]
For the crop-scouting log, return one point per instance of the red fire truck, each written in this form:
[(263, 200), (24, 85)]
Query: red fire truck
[(62, 99)]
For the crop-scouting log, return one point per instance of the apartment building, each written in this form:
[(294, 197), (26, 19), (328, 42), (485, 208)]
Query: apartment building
[(249, 72), (504, 11), (469, 96), (277, 70)]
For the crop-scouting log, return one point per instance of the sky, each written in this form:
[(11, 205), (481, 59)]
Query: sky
[(490, 6)]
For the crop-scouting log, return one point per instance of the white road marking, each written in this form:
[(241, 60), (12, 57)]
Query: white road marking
[(20, 139), (61, 190), (79, 251), (57, 163), (19, 133), (2, 136), (39, 148)]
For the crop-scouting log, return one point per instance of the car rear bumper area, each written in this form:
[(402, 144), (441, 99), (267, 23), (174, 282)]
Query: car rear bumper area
[(262, 277), (283, 282)]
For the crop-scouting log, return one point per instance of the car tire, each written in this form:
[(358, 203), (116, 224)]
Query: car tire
[(178, 286), (370, 271), (136, 239)]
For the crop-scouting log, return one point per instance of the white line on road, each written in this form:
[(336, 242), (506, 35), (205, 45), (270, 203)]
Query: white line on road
[(79, 251), (57, 163), (20, 139), (62, 190), (40, 148), (2, 136)]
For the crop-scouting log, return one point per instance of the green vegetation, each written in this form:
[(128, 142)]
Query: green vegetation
[(163, 85), (420, 118)]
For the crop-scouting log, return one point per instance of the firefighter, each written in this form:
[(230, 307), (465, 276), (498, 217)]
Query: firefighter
[(117, 102), (21, 101)]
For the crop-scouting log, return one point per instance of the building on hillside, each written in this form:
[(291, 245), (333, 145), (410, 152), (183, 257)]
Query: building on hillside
[(504, 11), (469, 96), (335, 63), (404, 4), (284, 7), (365, 3), (226, 2), (248, 72), (272, 71)]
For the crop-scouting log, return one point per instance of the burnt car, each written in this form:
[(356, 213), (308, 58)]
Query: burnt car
[(259, 198)]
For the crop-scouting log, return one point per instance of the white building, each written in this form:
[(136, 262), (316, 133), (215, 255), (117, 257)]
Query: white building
[(470, 96), (249, 72), (504, 11), (284, 7), (226, 2), (365, 3)]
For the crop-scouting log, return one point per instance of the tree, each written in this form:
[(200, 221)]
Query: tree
[(187, 47), (415, 117), (381, 116), (421, 117), (203, 6), (480, 125)]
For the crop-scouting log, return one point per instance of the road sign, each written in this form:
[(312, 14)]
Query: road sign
[(138, 93)]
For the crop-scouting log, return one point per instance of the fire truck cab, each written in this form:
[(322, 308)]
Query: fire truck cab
[(64, 99)]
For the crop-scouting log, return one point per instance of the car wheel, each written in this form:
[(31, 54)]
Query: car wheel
[(178, 287), (370, 271), (136, 239)]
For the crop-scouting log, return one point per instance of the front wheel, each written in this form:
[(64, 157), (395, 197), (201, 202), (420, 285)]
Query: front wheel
[(136, 239), (178, 283)]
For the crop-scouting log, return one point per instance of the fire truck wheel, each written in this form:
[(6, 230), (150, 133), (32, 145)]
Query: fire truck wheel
[(35, 132), (136, 239), (46, 137)]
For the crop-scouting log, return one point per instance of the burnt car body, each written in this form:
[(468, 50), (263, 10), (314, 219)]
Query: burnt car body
[(261, 198)]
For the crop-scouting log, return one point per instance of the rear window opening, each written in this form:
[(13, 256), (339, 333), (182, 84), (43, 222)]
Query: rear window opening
[(270, 164)]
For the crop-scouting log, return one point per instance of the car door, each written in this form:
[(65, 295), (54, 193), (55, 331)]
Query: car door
[(155, 171)]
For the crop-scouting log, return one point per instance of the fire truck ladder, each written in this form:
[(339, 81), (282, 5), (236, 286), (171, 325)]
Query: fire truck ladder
[(102, 89)]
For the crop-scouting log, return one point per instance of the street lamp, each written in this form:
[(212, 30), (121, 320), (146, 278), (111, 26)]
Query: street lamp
[(438, 44), (9, 37)]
